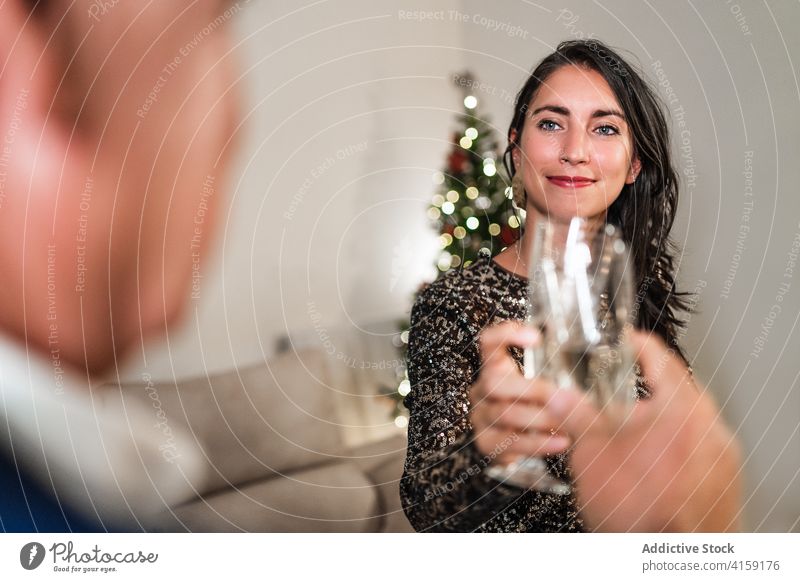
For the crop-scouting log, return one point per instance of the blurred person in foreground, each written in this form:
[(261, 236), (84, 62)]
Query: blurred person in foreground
[(115, 119)]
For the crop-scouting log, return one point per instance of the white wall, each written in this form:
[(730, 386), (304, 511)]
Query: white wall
[(349, 108), (327, 76), (738, 88)]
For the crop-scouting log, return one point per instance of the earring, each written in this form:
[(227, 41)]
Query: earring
[(518, 191)]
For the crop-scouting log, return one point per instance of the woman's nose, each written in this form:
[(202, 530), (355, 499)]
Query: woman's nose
[(574, 147)]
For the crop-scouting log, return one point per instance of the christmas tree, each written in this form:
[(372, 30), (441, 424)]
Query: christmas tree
[(471, 208)]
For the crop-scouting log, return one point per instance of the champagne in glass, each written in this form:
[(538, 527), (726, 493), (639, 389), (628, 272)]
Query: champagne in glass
[(581, 301)]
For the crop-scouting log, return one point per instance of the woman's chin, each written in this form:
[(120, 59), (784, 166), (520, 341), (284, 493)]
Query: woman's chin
[(560, 211)]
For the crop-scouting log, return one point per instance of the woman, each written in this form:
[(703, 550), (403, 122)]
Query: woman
[(587, 138)]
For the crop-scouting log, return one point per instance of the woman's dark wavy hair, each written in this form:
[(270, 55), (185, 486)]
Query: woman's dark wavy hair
[(644, 210)]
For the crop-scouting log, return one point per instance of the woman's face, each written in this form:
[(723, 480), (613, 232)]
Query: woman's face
[(575, 150)]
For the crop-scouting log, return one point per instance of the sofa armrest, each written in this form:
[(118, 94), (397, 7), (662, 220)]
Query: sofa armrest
[(251, 423)]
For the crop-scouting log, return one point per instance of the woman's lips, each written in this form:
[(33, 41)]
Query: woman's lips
[(567, 182)]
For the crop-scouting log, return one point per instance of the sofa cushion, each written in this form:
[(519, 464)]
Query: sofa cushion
[(253, 422), (332, 498)]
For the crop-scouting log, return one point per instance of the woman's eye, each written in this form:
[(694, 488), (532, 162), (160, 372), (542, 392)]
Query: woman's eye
[(548, 125), (607, 130)]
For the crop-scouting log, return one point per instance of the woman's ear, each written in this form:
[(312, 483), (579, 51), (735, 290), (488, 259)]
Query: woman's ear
[(515, 152), (636, 167)]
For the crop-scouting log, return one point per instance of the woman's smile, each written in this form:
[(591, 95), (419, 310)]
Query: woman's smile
[(571, 182)]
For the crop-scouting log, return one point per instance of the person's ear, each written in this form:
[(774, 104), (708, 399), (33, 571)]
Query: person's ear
[(516, 154), (636, 167)]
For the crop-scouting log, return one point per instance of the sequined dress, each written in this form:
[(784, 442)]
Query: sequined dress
[(444, 486)]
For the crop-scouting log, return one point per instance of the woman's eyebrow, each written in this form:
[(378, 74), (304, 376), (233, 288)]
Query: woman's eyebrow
[(564, 111)]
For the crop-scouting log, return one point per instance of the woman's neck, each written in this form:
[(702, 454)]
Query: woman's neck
[(516, 257)]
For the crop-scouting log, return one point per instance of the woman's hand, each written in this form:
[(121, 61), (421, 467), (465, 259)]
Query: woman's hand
[(507, 413)]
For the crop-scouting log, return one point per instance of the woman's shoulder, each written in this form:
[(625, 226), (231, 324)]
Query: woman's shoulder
[(454, 281), (482, 282)]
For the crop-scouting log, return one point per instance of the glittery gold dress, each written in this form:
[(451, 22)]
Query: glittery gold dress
[(444, 486)]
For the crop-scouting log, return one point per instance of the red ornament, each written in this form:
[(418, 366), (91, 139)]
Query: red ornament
[(509, 235), (458, 160)]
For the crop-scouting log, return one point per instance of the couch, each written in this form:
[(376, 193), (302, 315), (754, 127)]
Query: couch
[(277, 457)]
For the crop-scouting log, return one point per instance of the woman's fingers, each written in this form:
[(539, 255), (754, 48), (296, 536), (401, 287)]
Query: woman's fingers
[(504, 404), (520, 444), (494, 342), (514, 387), (494, 419), (517, 416)]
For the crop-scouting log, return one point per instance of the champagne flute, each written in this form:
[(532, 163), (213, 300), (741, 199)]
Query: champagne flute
[(581, 301)]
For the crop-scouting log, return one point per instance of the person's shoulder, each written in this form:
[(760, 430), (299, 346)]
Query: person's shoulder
[(455, 280), (457, 287)]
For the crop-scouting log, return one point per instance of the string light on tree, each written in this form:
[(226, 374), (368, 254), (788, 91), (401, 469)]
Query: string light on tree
[(404, 388), (477, 211), (471, 206)]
